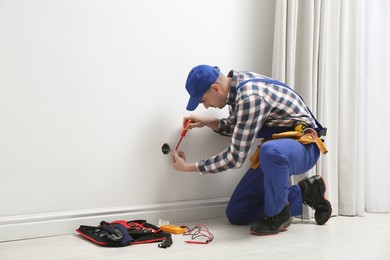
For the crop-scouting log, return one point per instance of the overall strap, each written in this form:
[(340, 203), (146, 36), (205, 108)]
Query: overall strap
[(322, 130), (265, 80)]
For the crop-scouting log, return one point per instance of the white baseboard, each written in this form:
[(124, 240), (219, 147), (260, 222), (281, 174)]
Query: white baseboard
[(63, 223)]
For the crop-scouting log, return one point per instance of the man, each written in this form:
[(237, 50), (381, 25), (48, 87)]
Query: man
[(259, 107)]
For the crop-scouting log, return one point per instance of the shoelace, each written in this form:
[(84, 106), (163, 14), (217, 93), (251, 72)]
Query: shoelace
[(313, 204), (270, 220)]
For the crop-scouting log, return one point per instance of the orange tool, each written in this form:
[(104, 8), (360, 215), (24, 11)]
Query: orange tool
[(173, 229), (183, 133)]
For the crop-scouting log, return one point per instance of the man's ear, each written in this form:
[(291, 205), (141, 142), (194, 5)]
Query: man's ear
[(215, 87)]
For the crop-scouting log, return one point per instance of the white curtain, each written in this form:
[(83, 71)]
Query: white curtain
[(319, 51), (374, 116)]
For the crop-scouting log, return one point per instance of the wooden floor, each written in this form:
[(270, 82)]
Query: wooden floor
[(365, 237)]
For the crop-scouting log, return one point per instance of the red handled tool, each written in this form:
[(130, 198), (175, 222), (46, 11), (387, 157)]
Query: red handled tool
[(183, 133)]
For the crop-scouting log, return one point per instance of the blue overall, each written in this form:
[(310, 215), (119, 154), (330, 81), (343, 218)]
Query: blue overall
[(266, 190)]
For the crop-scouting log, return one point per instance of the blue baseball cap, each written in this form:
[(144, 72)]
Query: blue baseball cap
[(199, 80)]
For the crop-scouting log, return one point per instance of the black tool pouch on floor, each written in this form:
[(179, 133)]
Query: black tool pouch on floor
[(124, 233)]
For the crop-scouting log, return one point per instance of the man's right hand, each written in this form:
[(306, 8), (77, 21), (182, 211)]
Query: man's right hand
[(198, 122)]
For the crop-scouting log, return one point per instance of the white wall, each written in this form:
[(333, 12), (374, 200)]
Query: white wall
[(89, 92)]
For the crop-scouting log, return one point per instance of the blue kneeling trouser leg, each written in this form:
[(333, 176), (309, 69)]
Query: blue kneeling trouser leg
[(266, 190)]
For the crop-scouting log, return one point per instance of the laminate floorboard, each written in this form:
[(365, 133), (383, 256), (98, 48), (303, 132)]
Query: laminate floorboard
[(366, 237)]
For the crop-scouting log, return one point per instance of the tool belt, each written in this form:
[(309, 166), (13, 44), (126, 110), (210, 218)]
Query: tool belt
[(122, 233), (308, 136)]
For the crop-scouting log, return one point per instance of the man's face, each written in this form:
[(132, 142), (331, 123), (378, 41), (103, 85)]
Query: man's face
[(214, 97)]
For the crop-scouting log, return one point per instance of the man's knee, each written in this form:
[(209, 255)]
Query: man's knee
[(231, 215), (270, 153)]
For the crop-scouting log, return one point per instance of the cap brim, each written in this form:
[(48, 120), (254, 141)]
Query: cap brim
[(193, 103)]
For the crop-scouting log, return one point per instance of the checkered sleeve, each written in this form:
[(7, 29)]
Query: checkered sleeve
[(250, 116), (226, 125)]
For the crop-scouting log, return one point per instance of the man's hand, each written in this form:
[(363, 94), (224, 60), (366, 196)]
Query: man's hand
[(180, 164), (179, 160), (197, 122)]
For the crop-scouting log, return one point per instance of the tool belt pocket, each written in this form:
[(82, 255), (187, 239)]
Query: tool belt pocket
[(308, 136)]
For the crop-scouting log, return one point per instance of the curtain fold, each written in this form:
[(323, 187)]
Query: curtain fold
[(348, 92)]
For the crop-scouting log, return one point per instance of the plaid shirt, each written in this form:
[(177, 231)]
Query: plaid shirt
[(251, 107)]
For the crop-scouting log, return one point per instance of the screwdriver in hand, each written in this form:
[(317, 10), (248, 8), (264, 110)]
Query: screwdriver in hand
[(183, 133)]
